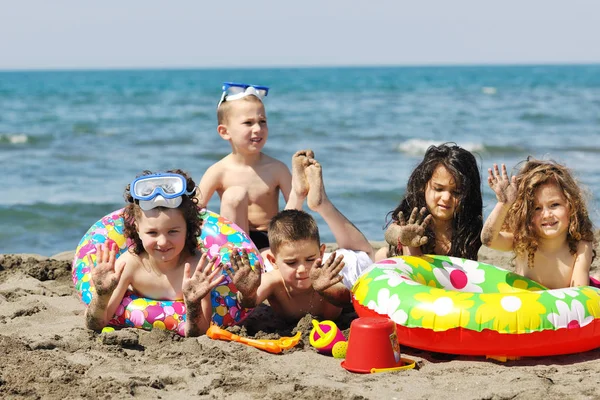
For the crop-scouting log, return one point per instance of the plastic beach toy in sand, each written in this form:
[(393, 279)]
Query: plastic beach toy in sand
[(270, 345), (325, 336), (373, 347)]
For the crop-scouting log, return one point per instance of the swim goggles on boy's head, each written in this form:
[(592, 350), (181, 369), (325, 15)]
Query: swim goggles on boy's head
[(159, 190), (235, 91)]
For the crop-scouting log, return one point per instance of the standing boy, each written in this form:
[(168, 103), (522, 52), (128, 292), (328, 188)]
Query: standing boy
[(247, 180)]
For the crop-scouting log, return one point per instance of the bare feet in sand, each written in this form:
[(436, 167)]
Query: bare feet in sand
[(299, 164), (316, 191)]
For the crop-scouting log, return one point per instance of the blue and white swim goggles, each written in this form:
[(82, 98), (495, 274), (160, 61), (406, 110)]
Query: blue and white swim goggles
[(234, 91), (159, 190)]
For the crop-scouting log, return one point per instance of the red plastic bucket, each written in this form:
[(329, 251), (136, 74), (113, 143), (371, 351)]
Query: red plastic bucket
[(372, 344)]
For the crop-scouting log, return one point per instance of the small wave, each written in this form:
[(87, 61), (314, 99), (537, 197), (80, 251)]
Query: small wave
[(420, 146), (163, 141), (81, 128), (508, 149), (544, 118), (14, 138), (580, 149), (203, 115), (489, 90)]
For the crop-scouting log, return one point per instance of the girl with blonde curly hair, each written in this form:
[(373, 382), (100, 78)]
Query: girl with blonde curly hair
[(542, 216)]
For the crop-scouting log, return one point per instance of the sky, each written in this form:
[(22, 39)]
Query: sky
[(79, 34)]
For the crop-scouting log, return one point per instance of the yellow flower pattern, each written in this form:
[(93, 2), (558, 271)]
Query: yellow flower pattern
[(441, 309), (423, 262), (423, 281), (361, 289), (502, 309)]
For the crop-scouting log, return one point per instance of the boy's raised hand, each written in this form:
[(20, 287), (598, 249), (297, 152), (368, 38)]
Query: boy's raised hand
[(245, 278), (505, 188), (205, 278), (105, 276), (323, 276), (409, 233)]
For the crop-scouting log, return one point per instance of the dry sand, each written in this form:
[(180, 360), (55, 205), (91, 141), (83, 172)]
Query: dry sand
[(48, 353)]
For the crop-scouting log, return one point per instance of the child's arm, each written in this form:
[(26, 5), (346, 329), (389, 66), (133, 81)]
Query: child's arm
[(326, 280), (506, 193), (195, 287), (381, 253), (110, 287), (211, 181), (581, 269), (285, 181)]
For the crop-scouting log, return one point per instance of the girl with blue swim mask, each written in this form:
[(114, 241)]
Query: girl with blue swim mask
[(163, 223)]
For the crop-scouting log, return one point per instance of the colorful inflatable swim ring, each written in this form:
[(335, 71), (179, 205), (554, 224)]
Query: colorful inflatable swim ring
[(219, 237), (457, 306)]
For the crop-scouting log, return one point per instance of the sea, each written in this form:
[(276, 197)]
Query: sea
[(70, 141)]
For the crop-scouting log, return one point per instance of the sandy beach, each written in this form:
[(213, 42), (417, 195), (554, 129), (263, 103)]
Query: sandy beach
[(48, 353)]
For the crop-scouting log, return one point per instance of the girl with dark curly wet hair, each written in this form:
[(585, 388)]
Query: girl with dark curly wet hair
[(542, 216), (441, 212), (162, 220)]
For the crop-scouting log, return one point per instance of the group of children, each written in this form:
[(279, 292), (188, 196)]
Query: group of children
[(541, 215)]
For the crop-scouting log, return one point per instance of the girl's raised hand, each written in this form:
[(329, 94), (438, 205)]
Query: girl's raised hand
[(245, 278), (323, 276), (105, 276), (409, 233), (505, 188), (206, 277)]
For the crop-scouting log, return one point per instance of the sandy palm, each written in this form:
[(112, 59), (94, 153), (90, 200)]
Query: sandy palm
[(245, 278), (323, 276), (409, 233), (204, 279), (104, 275), (504, 187)]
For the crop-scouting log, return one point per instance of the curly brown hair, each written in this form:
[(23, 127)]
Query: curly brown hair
[(189, 208), (532, 175)]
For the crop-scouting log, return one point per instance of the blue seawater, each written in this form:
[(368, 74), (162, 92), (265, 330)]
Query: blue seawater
[(71, 140)]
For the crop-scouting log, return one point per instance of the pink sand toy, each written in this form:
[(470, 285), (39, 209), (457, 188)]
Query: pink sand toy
[(325, 335)]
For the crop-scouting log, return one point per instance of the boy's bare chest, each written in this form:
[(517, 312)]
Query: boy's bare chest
[(298, 305), (256, 183)]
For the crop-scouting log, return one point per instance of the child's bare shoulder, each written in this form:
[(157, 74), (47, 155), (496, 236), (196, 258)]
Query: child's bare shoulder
[(276, 169), (584, 247), (130, 259), (272, 161), (192, 259), (272, 278), (132, 263), (219, 166), (272, 284)]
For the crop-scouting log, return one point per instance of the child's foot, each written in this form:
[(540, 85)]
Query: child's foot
[(316, 192), (299, 164)]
